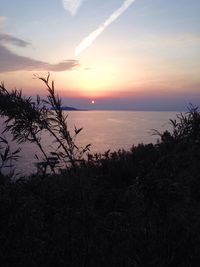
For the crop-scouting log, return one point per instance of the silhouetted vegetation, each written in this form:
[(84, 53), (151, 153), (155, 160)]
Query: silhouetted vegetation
[(27, 120), (126, 208)]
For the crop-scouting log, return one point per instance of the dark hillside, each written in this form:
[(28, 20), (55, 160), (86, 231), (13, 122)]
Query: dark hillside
[(133, 208), (137, 208)]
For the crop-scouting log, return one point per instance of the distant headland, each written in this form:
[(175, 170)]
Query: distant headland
[(69, 108)]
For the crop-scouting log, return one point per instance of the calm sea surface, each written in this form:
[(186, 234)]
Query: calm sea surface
[(105, 130)]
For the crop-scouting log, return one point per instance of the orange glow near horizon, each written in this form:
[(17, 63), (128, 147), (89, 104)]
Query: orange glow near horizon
[(98, 82)]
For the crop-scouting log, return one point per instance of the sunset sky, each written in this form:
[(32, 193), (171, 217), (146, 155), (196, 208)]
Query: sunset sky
[(142, 54)]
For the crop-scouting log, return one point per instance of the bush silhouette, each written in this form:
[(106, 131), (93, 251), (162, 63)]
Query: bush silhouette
[(26, 120), (126, 208)]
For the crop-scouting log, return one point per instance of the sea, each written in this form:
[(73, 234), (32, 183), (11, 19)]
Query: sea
[(104, 130)]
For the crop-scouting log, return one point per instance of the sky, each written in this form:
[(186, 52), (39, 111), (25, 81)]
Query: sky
[(120, 54)]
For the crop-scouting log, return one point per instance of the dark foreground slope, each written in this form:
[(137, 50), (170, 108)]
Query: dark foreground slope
[(138, 208)]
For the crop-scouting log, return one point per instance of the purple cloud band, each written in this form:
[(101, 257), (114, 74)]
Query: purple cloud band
[(13, 62)]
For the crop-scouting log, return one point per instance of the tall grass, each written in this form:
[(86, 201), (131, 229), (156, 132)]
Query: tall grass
[(27, 119)]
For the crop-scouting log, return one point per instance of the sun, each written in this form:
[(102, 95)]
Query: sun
[(92, 102)]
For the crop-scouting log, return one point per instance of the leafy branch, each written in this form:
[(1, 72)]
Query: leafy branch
[(27, 120), (6, 155)]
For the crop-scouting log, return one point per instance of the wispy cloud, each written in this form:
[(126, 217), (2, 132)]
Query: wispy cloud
[(6, 38), (72, 5), (93, 35), (10, 61)]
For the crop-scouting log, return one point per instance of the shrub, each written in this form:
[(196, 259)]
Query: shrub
[(26, 120)]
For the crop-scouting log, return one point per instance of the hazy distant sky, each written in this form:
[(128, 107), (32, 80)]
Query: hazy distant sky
[(142, 54)]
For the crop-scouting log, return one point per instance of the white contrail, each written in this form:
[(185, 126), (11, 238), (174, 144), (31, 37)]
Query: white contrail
[(72, 5), (93, 35)]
